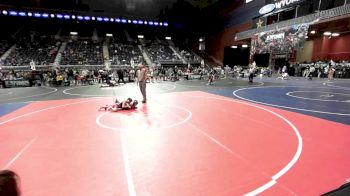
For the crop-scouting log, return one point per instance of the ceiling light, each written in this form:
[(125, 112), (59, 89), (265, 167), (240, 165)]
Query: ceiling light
[(327, 33), (234, 47), (244, 46), (313, 32), (335, 34)]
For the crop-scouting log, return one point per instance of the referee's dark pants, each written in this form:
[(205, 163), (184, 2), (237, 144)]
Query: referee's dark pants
[(142, 85)]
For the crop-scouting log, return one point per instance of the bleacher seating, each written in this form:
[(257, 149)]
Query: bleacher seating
[(82, 52), (4, 46), (40, 49), (190, 57), (123, 53), (161, 53)]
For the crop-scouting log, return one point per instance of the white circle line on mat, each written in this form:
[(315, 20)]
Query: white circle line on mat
[(289, 165), (281, 106), (35, 95), (188, 117), (314, 99)]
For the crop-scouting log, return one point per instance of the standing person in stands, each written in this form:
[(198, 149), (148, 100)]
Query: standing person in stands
[(120, 76), (142, 80), (252, 68)]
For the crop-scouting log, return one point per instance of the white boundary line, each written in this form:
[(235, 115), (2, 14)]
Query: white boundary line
[(280, 106), (256, 191), (341, 87), (306, 98), (45, 109), (98, 120), (8, 93), (193, 86), (19, 153), (112, 89), (84, 95), (166, 90), (127, 168), (292, 162), (54, 90)]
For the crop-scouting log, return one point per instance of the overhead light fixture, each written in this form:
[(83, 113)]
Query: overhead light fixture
[(168, 38), (140, 36), (109, 34), (313, 32), (37, 15), (13, 13), (234, 46), (327, 33), (244, 46), (335, 34), (73, 33), (68, 16)]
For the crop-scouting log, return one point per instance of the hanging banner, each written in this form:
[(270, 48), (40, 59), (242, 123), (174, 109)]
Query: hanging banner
[(283, 40)]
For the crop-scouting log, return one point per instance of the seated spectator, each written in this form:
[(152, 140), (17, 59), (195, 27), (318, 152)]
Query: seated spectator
[(82, 52), (42, 50)]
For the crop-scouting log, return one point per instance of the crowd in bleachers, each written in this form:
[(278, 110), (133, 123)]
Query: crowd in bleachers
[(82, 52), (160, 53), (320, 69), (4, 46), (190, 57), (41, 50), (124, 54)]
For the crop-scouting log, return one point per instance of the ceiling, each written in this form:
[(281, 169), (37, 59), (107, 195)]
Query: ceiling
[(341, 26), (139, 8)]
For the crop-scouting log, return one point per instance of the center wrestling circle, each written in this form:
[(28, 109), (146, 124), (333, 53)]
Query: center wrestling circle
[(144, 120), (323, 96)]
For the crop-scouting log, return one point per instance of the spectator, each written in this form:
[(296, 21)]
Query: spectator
[(9, 183)]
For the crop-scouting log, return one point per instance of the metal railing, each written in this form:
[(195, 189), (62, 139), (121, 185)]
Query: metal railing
[(312, 18)]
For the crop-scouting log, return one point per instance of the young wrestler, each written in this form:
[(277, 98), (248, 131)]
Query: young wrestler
[(128, 104)]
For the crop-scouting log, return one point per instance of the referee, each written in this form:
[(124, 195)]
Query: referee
[(142, 78)]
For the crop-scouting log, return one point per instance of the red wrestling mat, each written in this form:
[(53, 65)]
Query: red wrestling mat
[(190, 143)]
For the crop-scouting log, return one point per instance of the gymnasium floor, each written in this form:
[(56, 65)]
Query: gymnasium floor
[(273, 137)]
